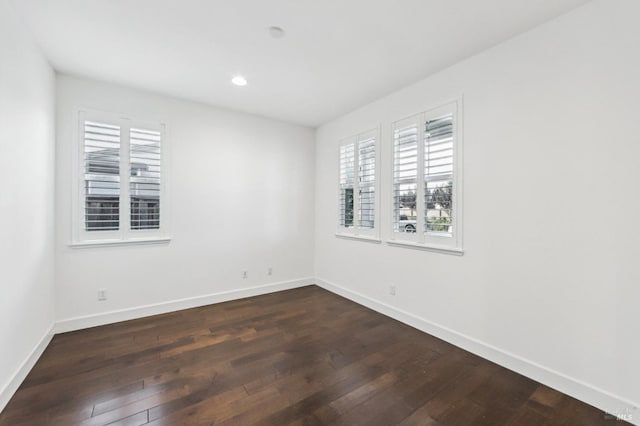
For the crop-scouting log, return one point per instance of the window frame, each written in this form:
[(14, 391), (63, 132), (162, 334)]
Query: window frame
[(421, 240), (124, 235), (355, 231)]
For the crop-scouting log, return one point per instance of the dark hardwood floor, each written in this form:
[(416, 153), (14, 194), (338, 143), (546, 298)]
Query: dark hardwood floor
[(302, 357)]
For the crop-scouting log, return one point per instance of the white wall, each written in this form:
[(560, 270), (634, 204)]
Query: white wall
[(26, 201), (240, 193), (548, 284)]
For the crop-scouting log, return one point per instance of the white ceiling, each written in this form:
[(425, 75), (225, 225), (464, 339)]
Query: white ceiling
[(336, 55)]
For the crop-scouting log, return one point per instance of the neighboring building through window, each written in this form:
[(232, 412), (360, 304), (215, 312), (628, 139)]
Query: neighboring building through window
[(358, 185), (426, 178), (120, 194)]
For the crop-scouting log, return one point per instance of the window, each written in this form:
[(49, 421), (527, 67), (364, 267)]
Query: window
[(120, 180), (426, 179), (347, 183), (358, 186)]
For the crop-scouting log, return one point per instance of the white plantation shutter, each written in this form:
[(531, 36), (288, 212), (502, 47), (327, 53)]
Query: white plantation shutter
[(357, 188), (405, 175), (438, 174), (426, 180), (144, 180), (347, 184), (120, 182), (366, 182), (101, 171)]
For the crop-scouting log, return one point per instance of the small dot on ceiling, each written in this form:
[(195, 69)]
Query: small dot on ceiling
[(276, 32)]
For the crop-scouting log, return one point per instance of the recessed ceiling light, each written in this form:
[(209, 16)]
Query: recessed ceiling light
[(239, 80), (276, 32)]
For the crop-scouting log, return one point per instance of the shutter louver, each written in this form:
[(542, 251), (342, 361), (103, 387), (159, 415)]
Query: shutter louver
[(144, 180), (347, 180), (405, 178), (367, 182), (101, 161), (438, 175)]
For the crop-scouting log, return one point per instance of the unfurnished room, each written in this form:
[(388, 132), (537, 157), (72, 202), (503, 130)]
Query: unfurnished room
[(304, 212)]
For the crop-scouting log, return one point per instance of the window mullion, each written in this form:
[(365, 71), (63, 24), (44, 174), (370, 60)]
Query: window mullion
[(420, 179), (125, 172), (356, 186), (80, 208)]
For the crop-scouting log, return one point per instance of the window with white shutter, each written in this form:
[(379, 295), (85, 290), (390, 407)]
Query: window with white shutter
[(144, 180), (405, 175), (120, 183), (367, 183), (347, 183), (438, 175), (427, 180), (358, 186), (101, 165)]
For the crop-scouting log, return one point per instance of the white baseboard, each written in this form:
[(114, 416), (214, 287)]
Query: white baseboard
[(599, 398), (77, 323), (10, 388)]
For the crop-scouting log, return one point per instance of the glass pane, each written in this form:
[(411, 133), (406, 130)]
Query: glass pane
[(102, 213), (101, 176), (405, 174), (347, 181), (347, 209), (144, 180), (145, 213), (367, 180), (439, 207), (438, 175)]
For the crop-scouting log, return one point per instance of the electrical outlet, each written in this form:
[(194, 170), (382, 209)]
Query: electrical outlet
[(270, 270), (245, 274), (102, 294), (392, 289)]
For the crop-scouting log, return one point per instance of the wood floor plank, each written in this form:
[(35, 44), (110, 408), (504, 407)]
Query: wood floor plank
[(299, 357)]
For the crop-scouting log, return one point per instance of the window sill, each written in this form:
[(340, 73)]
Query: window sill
[(366, 238), (133, 241), (428, 247)]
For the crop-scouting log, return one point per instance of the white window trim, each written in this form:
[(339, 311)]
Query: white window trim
[(420, 240), (426, 246), (80, 238), (366, 238), (355, 232), (131, 241)]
